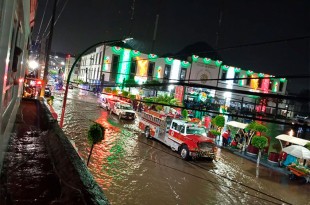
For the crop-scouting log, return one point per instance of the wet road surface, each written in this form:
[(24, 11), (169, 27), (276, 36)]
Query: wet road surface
[(134, 170)]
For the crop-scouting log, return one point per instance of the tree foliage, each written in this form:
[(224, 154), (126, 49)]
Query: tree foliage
[(260, 142), (184, 114), (107, 90), (307, 145), (95, 133)]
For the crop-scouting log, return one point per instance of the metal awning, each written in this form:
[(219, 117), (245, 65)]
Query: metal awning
[(293, 140), (237, 124)]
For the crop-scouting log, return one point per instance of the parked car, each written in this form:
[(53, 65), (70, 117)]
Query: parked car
[(123, 110), (47, 92)]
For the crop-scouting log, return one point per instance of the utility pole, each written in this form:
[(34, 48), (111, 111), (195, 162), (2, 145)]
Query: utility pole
[(48, 50), (154, 35)]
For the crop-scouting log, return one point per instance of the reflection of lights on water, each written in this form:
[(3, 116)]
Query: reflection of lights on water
[(291, 133)]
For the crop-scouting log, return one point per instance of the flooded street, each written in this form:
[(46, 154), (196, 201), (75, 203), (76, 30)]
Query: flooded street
[(134, 170)]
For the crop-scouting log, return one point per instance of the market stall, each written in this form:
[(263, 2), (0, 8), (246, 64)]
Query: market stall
[(298, 169)]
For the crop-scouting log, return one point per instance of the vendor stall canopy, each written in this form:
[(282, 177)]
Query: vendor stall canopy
[(293, 140), (237, 124)]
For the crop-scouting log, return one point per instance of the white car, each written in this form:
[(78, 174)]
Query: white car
[(123, 110)]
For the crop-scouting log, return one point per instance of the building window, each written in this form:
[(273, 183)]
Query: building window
[(248, 80), (223, 74), (150, 69), (167, 72), (133, 69), (114, 67), (281, 86), (270, 85), (260, 81), (182, 74), (96, 62), (236, 76), (100, 58)]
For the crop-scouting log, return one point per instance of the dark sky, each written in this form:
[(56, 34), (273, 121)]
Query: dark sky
[(184, 22)]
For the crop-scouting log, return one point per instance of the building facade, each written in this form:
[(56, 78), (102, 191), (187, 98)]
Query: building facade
[(16, 22), (115, 65)]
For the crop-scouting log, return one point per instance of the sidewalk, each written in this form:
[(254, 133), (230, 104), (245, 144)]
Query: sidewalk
[(263, 161), (41, 166)]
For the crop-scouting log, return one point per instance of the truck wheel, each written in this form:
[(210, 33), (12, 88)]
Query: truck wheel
[(184, 152), (147, 132)]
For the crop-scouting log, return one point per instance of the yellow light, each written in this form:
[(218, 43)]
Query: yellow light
[(291, 133)]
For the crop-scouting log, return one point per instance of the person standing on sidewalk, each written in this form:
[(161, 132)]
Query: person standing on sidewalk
[(225, 137)]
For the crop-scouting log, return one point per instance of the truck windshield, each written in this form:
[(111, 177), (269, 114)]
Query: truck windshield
[(196, 130), (126, 107)]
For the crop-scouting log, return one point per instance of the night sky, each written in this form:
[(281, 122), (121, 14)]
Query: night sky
[(184, 22)]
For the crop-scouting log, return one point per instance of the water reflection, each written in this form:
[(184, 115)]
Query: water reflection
[(145, 171)]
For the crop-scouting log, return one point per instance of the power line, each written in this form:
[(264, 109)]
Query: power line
[(41, 23)]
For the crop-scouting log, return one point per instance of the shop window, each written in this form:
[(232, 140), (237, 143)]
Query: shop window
[(223, 74)]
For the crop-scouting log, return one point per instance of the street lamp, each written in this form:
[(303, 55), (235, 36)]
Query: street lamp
[(71, 70)]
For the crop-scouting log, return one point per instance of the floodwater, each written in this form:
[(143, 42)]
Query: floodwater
[(134, 170)]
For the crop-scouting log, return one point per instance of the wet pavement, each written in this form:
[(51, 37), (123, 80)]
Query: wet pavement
[(134, 170), (41, 167), (28, 176)]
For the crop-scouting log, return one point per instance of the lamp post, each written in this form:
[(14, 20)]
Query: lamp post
[(71, 70)]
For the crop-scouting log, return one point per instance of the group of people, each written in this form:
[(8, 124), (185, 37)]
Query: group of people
[(237, 141)]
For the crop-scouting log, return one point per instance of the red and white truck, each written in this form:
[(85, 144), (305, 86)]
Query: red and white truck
[(187, 138)]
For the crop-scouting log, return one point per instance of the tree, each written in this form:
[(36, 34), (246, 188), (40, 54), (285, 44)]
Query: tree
[(184, 114), (95, 135), (219, 123), (260, 142), (254, 127), (307, 145), (107, 90)]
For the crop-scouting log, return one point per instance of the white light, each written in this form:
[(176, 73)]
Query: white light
[(56, 56), (170, 87), (291, 133), (127, 39), (62, 63), (33, 64), (175, 70)]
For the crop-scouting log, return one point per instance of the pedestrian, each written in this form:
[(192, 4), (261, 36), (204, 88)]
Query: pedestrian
[(225, 137)]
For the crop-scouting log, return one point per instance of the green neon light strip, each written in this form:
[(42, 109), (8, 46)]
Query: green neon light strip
[(282, 80), (249, 72), (124, 66), (207, 60), (185, 64), (225, 67), (237, 70), (135, 53), (218, 63), (117, 50), (169, 60), (275, 87), (241, 82), (152, 57), (195, 58), (261, 75)]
